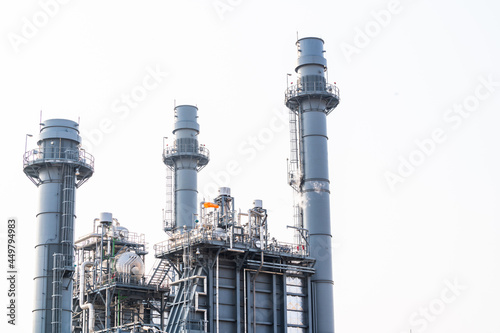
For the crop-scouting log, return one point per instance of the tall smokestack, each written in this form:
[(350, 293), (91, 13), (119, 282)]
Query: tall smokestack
[(57, 167), (185, 159), (310, 101)]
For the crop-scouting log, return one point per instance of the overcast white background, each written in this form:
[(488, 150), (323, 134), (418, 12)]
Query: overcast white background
[(422, 254)]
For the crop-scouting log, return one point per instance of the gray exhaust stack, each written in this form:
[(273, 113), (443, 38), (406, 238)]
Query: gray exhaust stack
[(310, 101), (185, 159), (57, 167)]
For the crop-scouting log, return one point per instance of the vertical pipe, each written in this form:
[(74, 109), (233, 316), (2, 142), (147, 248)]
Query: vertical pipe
[(108, 309), (211, 297), (285, 302), (275, 317), (217, 291), (254, 305), (238, 299), (162, 312), (248, 322), (245, 300), (85, 306), (309, 306)]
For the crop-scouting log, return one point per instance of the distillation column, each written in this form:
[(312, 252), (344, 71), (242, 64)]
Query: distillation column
[(312, 99), (58, 166), (185, 159)]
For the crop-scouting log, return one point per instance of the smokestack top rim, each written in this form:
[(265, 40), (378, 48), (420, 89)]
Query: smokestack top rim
[(60, 122), (300, 39), (59, 128), (185, 105)]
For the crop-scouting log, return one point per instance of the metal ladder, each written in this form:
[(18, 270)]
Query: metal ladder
[(68, 205), (295, 176), (168, 218), (63, 261), (294, 173), (181, 307), (57, 277)]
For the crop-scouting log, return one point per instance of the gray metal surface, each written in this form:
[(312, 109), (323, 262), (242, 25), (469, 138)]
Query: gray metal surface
[(57, 166), (185, 159), (311, 100)]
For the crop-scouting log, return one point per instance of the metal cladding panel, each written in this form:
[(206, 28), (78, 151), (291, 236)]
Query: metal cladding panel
[(190, 125), (316, 220), (314, 123), (323, 314), (185, 197), (317, 155), (269, 301)]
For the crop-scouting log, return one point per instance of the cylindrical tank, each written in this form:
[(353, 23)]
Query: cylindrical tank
[(257, 203), (225, 191), (55, 167), (106, 217), (312, 99)]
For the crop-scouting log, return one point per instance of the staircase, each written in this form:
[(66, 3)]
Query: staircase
[(178, 319), (159, 273)]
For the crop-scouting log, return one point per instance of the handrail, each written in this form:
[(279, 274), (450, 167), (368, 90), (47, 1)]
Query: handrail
[(197, 236), (186, 148), (58, 153), (305, 88)]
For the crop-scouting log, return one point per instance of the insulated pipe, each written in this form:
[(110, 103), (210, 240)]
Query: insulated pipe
[(81, 239), (312, 99), (85, 306)]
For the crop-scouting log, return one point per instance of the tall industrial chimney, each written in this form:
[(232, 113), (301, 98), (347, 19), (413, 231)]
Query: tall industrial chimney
[(310, 101), (185, 159), (57, 167)]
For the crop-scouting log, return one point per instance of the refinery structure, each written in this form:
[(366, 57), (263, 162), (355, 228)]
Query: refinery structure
[(219, 269)]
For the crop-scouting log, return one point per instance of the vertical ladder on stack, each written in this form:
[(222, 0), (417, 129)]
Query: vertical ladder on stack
[(294, 165), (168, 218), (181, 307), (57, 277), (63, 261), (68, 205), (295, 176)]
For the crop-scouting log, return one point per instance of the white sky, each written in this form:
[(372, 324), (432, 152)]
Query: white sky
[(398, 252)]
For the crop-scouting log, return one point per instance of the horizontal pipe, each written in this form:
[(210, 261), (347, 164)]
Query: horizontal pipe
[(87, 237), (188, 278)]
